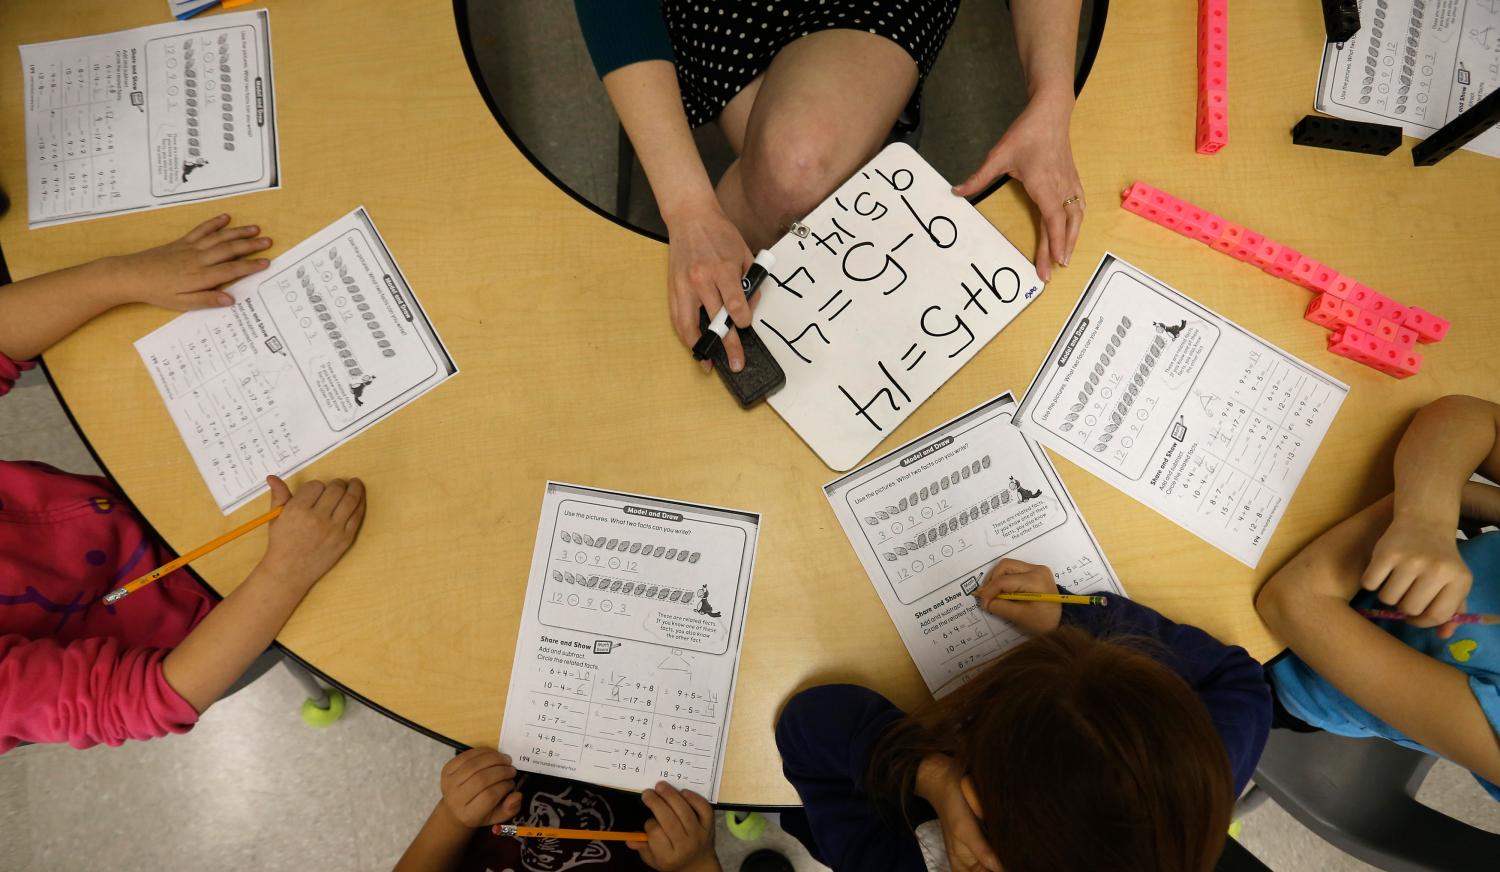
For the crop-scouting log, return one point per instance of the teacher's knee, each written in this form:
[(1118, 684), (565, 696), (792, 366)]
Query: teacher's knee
[(789, 172)]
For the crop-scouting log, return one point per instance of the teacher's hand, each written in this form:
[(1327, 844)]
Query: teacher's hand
[(1037, 152), (706, 260)]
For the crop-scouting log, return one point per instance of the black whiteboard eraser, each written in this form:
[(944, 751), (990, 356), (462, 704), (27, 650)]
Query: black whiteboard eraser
[(1340, 135), (761, 376), (1340, 19)]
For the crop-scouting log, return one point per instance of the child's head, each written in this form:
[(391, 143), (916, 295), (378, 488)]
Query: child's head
[(1084, 754)]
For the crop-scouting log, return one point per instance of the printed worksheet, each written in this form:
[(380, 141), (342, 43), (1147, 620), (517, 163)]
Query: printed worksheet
[(1180, 408), (1416, 63), (929, 519), (630, 640), (878, 297), (156, 116), (320, 345)]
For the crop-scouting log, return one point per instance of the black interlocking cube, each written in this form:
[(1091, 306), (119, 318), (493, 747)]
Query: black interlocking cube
[(1457, 133), (1356, 136), (1340, 19)]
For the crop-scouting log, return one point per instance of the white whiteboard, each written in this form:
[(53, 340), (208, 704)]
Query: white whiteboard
[(898, 284)]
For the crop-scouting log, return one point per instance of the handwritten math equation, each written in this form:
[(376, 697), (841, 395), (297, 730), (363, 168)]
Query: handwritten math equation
[(878, 297)]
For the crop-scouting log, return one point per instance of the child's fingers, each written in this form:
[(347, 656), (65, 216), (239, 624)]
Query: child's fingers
[(234, 248), (1380, 567), (210, 299), (357, 519), (328, 500), (657, 841), (206, 228), (508, 809), (685, 814), (229, 271), (684, 311), (280, 493), (1447, 603), (665, 815), (1394, 587), (226, 234), (701, 808), (459, 760), (354, 495)]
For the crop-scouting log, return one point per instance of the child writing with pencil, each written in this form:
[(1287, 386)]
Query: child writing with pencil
[(72, 668), (563, 824), (1113, 738), (1429, 679)]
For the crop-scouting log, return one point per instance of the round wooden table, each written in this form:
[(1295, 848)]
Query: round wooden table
[(570, 370)]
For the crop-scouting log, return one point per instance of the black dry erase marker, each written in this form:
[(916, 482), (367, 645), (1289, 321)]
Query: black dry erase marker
[(703, 349)]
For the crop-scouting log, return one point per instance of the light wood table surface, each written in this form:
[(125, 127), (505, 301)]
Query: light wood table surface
[(570, 370)]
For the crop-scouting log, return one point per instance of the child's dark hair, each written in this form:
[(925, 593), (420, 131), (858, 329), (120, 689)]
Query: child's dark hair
[(1087, 755)]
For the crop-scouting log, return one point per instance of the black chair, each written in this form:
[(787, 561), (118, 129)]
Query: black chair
[(1359, 795)]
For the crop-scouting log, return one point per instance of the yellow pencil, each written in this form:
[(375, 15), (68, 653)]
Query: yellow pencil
[(1073, 599), (555, 833), (230, 4), (120, 593)]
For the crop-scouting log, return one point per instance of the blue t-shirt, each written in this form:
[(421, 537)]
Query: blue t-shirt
[(1474, 649)]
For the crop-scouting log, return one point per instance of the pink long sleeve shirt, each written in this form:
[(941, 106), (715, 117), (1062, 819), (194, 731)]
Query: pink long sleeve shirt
[(71, 668)]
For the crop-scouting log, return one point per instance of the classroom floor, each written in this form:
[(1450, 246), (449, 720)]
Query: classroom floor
[(251, 787)]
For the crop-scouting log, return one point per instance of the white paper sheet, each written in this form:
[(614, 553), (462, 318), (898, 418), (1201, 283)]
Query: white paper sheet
[(630, 640), (897, 285), (323, 343), (1180, 408), (1416, 63), (928, 520), (160, 115)]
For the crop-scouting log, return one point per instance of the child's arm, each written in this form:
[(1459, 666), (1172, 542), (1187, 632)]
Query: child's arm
[(98, 690), (1415, 564), (316, 527), (36, 313), (680, 836), (479, 790), (1307, 604)]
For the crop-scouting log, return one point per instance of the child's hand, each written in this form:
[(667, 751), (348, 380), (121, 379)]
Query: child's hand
[(479, 788), (940, 782), (1016, 576), (680, 837), (316, 526), (1417, 569), (187, 274)]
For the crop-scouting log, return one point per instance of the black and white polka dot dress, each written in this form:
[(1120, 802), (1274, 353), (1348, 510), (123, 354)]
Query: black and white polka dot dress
[(722, 46)]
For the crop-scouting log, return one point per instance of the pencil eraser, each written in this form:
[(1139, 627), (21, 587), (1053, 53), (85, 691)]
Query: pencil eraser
[(1324, 310), (1428, 327)]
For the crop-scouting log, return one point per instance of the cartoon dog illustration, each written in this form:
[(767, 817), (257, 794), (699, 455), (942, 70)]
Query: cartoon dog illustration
[(1170, 331), (358, 389), (703, 607), (189, 166)]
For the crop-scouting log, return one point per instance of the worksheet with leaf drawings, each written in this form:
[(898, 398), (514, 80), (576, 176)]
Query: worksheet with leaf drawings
[(630, 640), (155, 116), (895, 285), (928, 520), (1416, 63), (1180, 408), (320, 345)]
